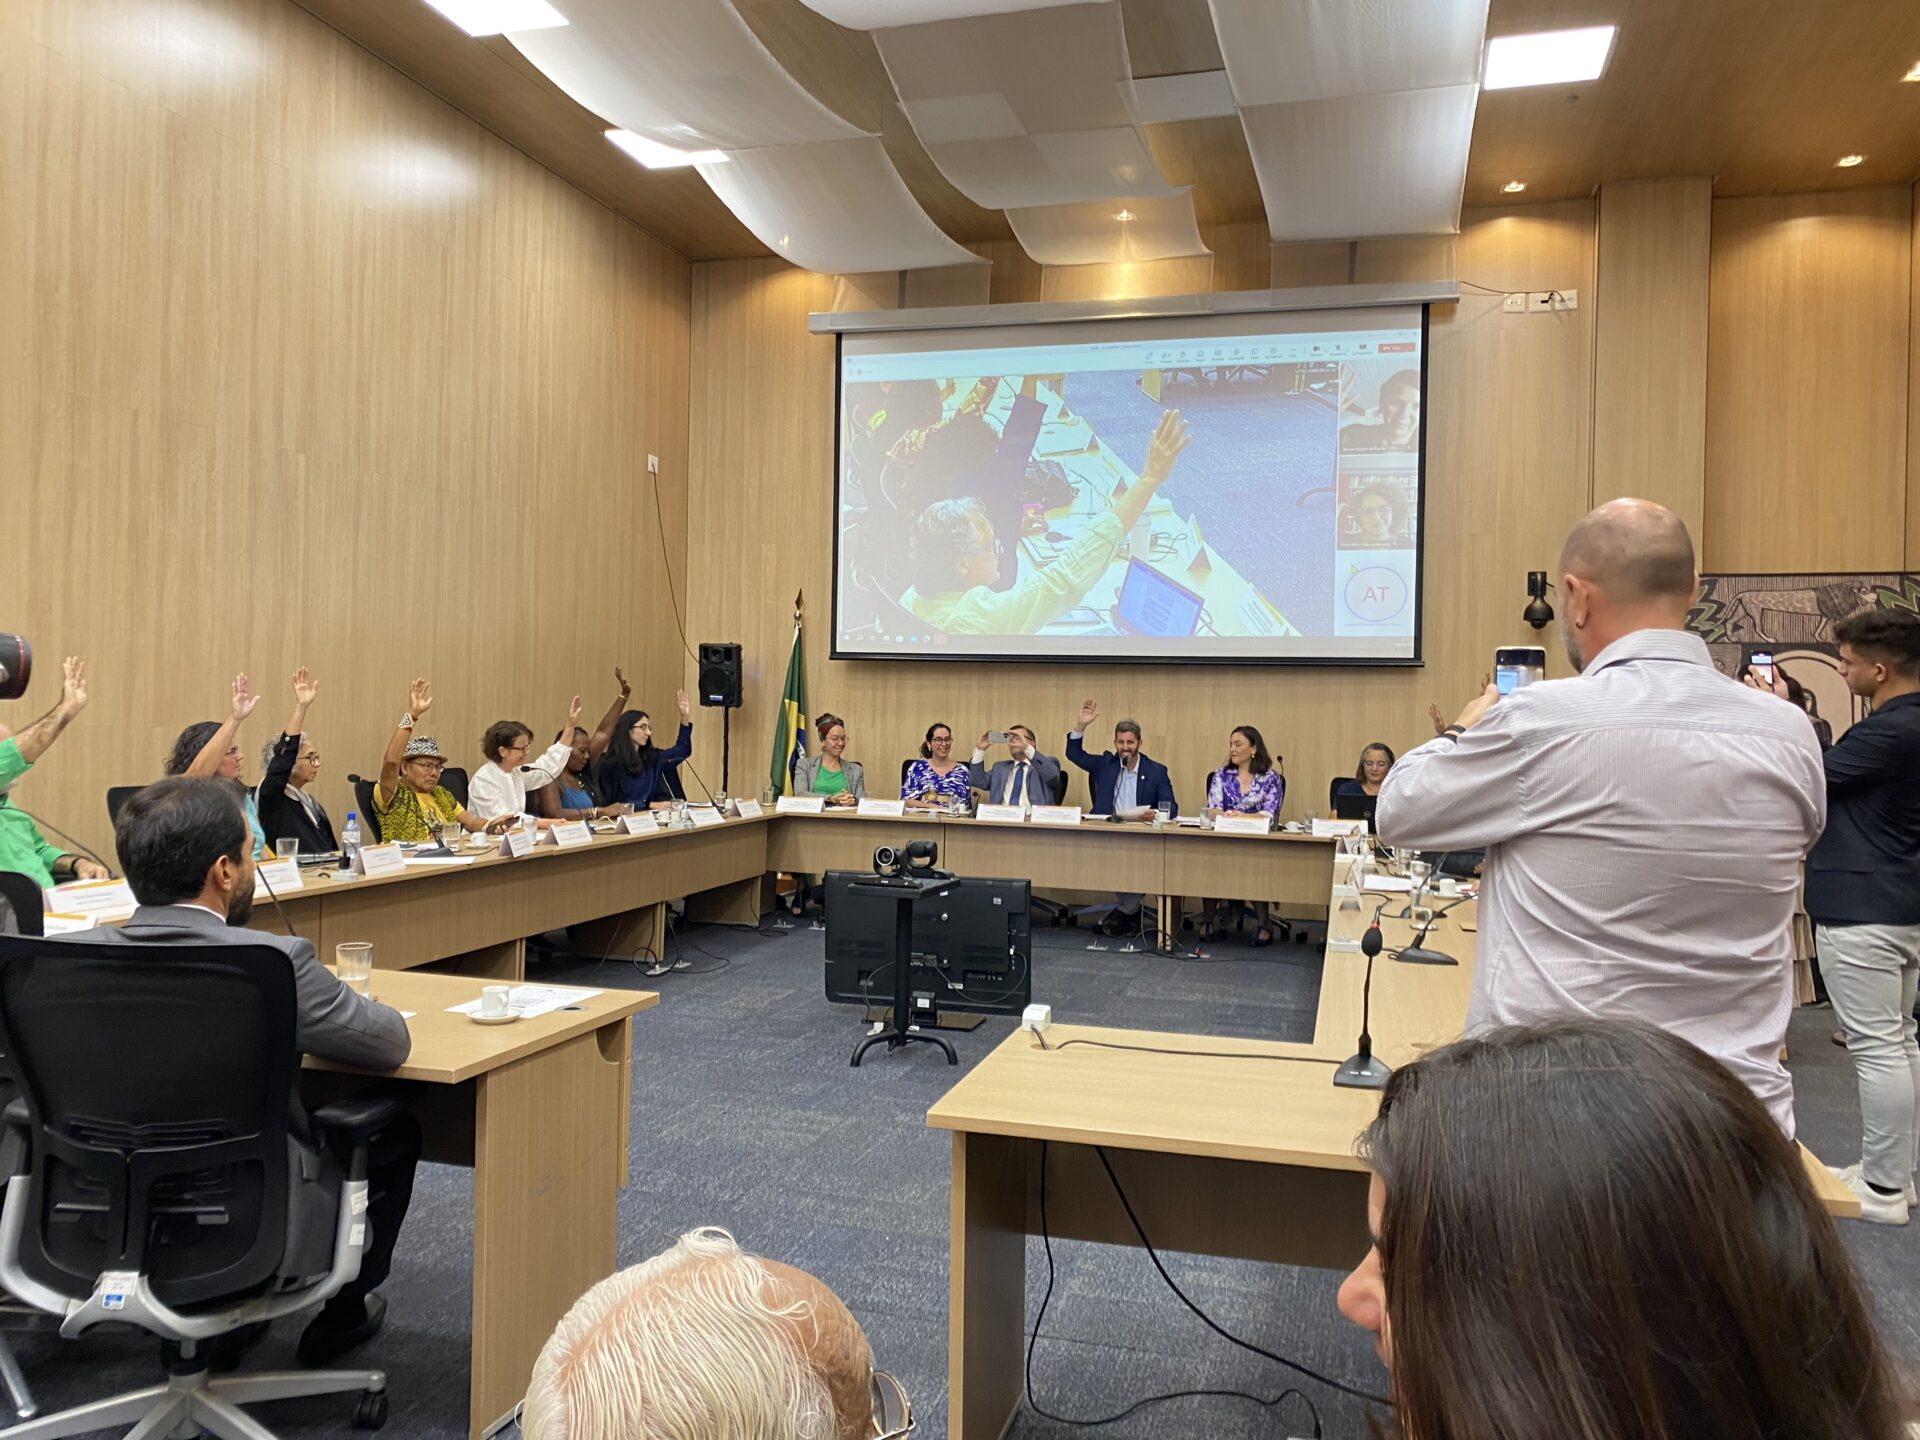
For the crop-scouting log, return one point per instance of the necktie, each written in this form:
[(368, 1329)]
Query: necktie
[(1018, 794)]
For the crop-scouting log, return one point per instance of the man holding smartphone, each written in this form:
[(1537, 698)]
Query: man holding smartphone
[(1025, 777), (1645, 821)]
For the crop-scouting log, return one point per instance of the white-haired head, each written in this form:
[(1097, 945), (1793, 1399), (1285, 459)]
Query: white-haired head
[(703, 1342)]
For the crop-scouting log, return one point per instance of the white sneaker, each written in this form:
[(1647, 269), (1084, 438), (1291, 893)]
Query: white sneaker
[(1874, 1207), (1845, 1172)]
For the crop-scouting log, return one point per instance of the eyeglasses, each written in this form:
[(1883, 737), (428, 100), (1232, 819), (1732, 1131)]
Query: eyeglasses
[(430, 764), (892, 1411)]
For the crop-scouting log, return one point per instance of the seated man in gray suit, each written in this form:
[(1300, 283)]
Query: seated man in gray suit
[(1026, 777), (187, 852)]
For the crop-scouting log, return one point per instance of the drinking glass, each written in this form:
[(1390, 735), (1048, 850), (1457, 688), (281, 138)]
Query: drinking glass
[(1163, 813), (452, 836), (353, 962), (286, 848)]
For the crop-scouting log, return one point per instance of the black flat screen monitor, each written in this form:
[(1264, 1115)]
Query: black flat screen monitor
[(1356, 807), (972, 945)]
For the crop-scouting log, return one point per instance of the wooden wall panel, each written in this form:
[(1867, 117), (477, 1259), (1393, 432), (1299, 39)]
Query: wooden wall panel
[(1650, 345), (1807, 384), (1508, 475), (1913, 391), (302, 366)]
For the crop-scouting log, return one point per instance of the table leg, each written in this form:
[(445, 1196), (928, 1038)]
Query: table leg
[(626, 935), (549, 1152), (987, 1282), (740, 903)]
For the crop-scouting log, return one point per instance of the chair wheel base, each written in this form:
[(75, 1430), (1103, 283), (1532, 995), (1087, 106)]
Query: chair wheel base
[(371, 1412)]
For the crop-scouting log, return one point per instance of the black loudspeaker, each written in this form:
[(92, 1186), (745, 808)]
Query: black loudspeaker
[(720, 675)]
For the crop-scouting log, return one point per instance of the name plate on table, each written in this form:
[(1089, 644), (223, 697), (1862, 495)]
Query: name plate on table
[(1015, 813), (1241, 824), (641, 822), (516, 842), (704, 816), (571, 835), (1056, 815), (800, 805), (102, 899), (1329, 829), (894, 808), (371, 860), (749, 809), (282, 875)]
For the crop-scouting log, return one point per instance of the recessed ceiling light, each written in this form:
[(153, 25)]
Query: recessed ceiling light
[(1913, 75), (1123, 215), (497, 17), (1514, 187), (655, 156), (1847, 162), (1550, 57)]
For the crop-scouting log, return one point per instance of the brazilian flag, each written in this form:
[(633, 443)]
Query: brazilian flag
[(790, 725)]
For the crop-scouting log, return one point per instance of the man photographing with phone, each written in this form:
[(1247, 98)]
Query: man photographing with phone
[(1025, 777), (1645, 821)]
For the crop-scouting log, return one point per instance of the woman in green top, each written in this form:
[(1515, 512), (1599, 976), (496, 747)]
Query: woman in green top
[(408, 800), (831, 775), (22, 846)]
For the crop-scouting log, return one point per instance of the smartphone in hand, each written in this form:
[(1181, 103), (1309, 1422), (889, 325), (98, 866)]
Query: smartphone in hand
[(1517, 665), (1760, 665)]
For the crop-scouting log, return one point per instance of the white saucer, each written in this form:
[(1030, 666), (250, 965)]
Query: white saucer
[(480, 1019)]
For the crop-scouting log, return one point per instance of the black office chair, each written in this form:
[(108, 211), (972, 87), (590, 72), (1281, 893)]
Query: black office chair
[(363, 805), (1056, 912), (156, 1086), (117, 797), (20, 904), (455, 781), (1333, 789)]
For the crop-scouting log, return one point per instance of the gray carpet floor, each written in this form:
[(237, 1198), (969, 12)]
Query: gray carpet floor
[(747, 1115)]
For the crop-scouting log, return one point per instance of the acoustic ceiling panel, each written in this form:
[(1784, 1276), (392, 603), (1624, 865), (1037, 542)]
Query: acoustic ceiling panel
[(1357, 165), (880, 14), (1025, 108), (838, 207), (1278, 51), (1091, 232)]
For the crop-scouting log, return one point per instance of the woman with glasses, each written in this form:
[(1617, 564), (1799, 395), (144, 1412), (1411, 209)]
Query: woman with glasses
[(408, 800), (936, 781), (210, 749), (634, 770), (1375, 761), (288, 809), (956, 556), (500, 785)]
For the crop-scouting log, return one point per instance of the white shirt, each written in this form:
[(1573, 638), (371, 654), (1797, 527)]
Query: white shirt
[(494, 792), (1645, 824)]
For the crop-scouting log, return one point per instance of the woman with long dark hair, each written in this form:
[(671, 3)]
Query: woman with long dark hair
[(631, 770), (1590, 1230), (210, 749), (1248, 784)]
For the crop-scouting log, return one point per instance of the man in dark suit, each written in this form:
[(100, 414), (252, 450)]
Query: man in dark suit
[(186, 849), (1025, 777), (1127, 785), (1863, 893)]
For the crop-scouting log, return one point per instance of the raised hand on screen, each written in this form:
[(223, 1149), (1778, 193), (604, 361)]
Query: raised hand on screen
[(305, 688), (1170, 437), (73, 684), (1089, 712), (680, 704), (419, 698), (243, 698)]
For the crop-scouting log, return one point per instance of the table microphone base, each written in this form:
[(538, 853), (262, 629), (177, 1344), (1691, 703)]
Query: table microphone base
[(1362, 1072), (1421, 955)]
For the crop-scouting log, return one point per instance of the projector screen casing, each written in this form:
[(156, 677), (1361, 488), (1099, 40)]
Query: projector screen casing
[(1189, 330)]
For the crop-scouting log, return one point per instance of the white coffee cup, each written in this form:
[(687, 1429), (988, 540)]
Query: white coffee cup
[(493, 1001)]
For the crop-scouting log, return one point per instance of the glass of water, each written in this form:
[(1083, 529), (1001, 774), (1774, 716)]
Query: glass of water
[(1163, 813), (451, 836), (353, 962), (286, 848)]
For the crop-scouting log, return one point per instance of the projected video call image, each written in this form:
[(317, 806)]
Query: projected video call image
[(1189, 496)]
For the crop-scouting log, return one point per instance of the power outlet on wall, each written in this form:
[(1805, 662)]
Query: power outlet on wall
[(653, 464), (1514, 304)]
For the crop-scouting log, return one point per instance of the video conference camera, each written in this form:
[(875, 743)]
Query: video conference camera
[(16, 665), (919, 855)]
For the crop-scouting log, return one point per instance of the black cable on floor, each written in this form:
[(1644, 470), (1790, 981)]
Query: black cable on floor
[(1033, 1339)]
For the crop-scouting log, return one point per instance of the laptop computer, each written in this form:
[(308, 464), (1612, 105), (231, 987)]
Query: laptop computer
[(1152, 604), (1356, 807)]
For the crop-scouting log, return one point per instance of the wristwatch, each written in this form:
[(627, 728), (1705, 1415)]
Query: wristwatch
[(1454, 731), (406, 721)]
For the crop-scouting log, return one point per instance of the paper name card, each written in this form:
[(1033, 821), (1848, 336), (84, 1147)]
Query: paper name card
[(1330, 829), (1015, 813), (749, 809), (894, 808), (1056, 815), (516, 842), (54, 924), (1242, 824), (641, 822), (372, 860), (102, 899), (704, 816), (282, 875), (571, 835), (800, 805)]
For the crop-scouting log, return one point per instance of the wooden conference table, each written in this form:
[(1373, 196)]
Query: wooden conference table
[(538, 1109), (476, 916), (1252, 1159)]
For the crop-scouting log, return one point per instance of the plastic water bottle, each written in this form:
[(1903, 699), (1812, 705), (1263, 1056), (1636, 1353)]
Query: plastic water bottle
[(350, 841)]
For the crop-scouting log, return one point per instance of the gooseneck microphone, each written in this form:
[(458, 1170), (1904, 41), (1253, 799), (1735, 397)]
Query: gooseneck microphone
[(1364, 1071), (1417, 953)]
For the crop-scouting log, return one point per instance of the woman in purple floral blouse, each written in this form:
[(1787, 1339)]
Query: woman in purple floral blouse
[(1250, 783)]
